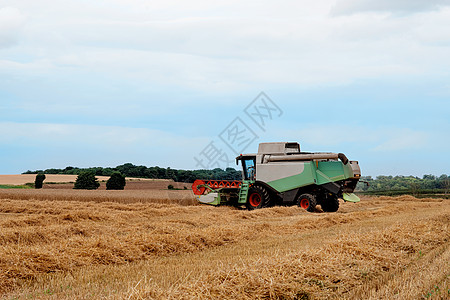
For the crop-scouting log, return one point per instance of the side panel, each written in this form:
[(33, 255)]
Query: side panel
[(330, 171), (303, 177), (277, 170), (285, 176)]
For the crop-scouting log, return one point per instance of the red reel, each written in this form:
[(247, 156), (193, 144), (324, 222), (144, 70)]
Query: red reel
[(198, 190), (199, 186)]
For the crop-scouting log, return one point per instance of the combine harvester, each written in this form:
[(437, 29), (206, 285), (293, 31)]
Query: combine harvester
[(280, 174)]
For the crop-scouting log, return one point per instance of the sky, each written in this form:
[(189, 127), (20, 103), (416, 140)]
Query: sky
[(190, 84)]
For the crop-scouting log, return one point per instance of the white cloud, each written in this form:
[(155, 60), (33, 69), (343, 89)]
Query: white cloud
[(344, 7), (152, 63), (404, 139), (101, 145), (104, 136), (433, 29), (217, 47), (11, 22), (382, 139)]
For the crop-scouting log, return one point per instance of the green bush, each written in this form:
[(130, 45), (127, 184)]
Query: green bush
[(39, 181), (86, 181), (170, 187), (116, 182)]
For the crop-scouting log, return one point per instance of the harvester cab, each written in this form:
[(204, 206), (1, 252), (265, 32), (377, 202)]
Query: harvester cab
[(248, 166), (280, 174)]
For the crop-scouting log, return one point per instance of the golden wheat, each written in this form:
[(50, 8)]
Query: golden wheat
[(142, 250), (182, 197)]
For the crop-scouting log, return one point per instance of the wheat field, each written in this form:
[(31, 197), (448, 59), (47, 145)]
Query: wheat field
[(69, 245), (181, 197)]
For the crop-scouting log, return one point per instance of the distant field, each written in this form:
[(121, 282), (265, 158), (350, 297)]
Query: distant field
[(66, 182), (379, 248), (21, 179), (131, 184), (25, 178)]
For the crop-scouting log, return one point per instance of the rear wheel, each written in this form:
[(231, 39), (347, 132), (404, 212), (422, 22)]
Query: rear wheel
[(330, 203), (307, 202), (258, 197)]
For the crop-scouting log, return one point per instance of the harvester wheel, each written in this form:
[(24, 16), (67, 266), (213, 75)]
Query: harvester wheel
[(258, 197), (330, 204), (308, 202)]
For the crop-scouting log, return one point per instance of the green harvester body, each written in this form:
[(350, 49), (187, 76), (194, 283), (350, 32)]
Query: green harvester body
[(280, 174)]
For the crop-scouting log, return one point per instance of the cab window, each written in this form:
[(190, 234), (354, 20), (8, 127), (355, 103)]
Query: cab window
[(249, 169)]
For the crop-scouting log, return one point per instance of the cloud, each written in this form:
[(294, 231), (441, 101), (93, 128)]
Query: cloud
[(217, 48), (11, 22), (348, 7), (179, 66), (78, 144), (403, 139), (384, 139), (103, 136)]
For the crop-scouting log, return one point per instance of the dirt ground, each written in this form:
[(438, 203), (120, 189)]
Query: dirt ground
[(55, 246)]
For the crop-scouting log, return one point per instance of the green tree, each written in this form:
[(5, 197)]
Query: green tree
[(38, 182), (445, 183), (116, 182), (415, 188), (86, 181)]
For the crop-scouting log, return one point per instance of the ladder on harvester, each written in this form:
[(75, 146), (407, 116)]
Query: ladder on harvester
[(243, 192)]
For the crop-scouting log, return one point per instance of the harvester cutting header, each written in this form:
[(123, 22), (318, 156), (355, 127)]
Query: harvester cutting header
[(280, 174)]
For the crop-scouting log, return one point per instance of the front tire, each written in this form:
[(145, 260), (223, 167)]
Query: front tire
[(258, 197), (307, 202)]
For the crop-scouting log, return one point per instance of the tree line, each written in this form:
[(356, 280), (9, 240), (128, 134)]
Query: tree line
[(392, 185), (378, 184), (130, 170)]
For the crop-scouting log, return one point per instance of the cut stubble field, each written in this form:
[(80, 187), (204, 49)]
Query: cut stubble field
[(101, 244)]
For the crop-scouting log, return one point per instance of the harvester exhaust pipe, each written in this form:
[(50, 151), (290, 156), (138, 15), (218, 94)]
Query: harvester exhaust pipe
[(343, 158)]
